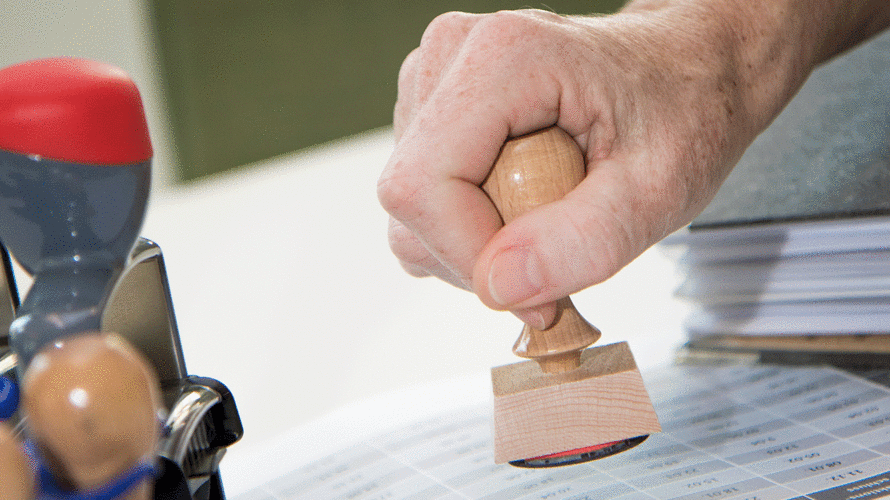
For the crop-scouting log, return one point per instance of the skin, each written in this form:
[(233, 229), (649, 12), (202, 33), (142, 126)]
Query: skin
[(663, 98), (17, 479)]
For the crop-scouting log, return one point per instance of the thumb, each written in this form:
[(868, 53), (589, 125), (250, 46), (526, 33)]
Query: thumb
[(565, 246)]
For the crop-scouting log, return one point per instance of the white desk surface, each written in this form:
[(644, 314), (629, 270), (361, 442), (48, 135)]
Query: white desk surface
[(286, 291)]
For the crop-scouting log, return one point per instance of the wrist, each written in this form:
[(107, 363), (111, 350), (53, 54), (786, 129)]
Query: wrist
[(774, 45), (759, 60)]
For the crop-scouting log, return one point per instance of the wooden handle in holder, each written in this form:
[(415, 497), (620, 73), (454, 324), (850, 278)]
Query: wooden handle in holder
[(532, 170)]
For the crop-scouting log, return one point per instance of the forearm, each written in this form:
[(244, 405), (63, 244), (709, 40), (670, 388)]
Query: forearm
[(772, 45), (820, 29)]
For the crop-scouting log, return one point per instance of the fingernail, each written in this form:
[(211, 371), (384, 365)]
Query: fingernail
[(514, 276)]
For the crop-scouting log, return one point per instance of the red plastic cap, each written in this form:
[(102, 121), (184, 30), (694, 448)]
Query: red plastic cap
[(72, 110)]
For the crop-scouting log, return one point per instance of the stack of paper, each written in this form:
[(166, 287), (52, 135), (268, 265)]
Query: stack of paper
[(730, 433), (805, 278)]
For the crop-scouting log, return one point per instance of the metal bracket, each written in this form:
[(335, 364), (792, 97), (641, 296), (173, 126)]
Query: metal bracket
[(203, 419)]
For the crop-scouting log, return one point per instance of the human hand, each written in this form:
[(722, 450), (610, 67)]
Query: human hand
[(657, 111)]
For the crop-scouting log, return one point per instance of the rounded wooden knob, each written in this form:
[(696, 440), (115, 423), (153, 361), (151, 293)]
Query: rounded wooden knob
[(532, 170), (92, 404)]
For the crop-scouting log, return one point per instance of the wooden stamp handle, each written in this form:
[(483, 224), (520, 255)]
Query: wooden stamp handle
[(532, 170)]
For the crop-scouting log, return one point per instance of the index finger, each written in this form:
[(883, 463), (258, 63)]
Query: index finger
[(431, 182)]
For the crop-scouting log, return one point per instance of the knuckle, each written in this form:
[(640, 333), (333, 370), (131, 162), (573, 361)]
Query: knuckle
[(406, 102), (401, 116), (543, 15), (509, 25), (410, 257), (414, 271), (392, 192), (446, 27), (519, 41), (440, 45), (402, 242), (411, 253), (407, 71), (399, 192)]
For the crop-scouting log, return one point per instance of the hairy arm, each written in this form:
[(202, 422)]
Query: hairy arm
[(775, 44)]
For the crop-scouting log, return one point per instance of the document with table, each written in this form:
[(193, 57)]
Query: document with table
[(731, 431)]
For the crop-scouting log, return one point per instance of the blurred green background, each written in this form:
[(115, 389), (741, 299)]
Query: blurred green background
[(246, 80)]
